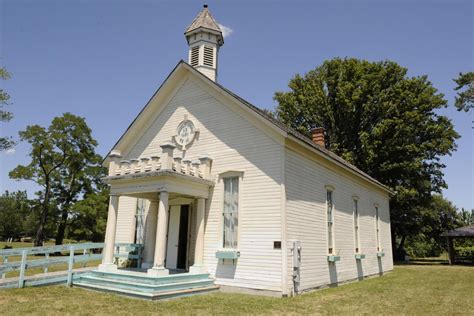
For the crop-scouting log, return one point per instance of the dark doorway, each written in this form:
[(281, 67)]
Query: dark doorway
[(183, 237)]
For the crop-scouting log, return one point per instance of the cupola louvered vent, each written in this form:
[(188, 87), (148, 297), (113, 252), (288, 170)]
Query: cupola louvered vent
[(208, 56), (195, 56)]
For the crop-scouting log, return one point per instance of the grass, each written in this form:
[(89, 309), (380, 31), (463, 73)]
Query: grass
[(32, 271), (409, 289)]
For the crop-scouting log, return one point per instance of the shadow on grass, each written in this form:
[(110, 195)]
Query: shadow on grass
[(431, 262)]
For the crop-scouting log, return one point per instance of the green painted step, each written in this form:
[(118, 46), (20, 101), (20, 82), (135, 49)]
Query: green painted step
[(148, 295), (143, 287), (138, 277)]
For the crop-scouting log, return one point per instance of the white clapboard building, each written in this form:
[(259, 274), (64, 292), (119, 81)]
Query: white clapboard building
[(220, 195)]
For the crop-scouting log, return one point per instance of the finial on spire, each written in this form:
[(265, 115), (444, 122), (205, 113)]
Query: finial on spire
[(205, 5)]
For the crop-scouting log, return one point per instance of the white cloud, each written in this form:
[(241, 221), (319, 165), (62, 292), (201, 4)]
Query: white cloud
[(10, 151), (226, 31)]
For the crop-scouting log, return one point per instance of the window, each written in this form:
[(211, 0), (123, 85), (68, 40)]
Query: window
[(208, 56), (377, 229), (356, 226), (195, 56), (230, 213), (329, 206)]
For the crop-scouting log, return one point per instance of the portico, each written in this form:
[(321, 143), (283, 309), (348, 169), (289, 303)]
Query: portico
[(165, 181)]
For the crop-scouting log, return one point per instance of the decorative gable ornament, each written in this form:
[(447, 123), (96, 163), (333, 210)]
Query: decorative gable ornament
[(186, 133)]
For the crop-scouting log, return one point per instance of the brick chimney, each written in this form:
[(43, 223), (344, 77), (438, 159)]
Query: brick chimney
[(317, 134)]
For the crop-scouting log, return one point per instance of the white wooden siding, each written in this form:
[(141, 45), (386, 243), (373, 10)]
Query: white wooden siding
[(126, 220), (306, 222), (234, 144)]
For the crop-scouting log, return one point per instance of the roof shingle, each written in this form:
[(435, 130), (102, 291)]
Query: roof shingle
[(204, 19)]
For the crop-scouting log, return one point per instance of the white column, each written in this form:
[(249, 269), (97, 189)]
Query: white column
[(198, 266), (108, 258), (160, 241), (150, 234)]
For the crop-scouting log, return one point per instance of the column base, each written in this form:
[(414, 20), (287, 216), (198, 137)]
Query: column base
[(107, 267), (197, 269), (147, 265), (157, 271)]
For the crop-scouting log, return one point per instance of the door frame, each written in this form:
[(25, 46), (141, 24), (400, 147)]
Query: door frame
[(182, 201)]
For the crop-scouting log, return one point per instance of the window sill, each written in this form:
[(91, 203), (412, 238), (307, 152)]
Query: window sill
[(228, 254), (333, 258), (359, 256), (380, 254)]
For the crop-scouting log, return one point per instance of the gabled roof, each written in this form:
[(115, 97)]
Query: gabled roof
[(204, 19), (286, 130), (465, 231)]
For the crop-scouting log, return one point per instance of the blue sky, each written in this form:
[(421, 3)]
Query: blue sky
[(104, 59)]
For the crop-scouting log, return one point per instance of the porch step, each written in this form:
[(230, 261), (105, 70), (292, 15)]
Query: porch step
[(143, 278), (152, 288)]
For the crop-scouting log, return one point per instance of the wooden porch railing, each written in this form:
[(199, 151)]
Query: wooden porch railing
[(77, 253)]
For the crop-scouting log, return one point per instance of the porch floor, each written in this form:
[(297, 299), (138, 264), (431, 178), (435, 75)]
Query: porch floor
[(138, 284)]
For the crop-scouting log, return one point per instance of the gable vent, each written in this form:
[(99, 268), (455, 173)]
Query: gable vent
[(195, 56), (208, 56)]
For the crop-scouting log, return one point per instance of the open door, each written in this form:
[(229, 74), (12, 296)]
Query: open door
[(177, 244)]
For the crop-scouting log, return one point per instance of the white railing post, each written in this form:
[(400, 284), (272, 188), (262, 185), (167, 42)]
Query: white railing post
[(167, 159), (177, 164), (134, 166), (125, 167), (155, 163), (144, 164), (114, 163), (5, 260), (205, 166), (21, 280), (85, 261), (46, 256), (70, 266), (196, 164), (187, 166)]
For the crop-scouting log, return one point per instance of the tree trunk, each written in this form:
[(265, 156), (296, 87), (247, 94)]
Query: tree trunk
[(401, 245), (44, 216), (62, 227), (65, 212)]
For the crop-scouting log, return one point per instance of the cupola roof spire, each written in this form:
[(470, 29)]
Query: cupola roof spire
[(204, 37), (204, 19)]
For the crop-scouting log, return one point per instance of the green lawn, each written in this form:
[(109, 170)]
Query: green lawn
[(410, 289)]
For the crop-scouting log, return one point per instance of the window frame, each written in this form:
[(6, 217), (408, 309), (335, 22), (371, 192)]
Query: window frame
[(330, 236), (226, 175), (356, 224), (378, 244)]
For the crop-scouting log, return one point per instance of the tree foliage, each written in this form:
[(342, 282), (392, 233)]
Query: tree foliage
[(62, 157), (5, 116), (89, 217), (466, 217), (383, 122), (465, 88), (15, 211)]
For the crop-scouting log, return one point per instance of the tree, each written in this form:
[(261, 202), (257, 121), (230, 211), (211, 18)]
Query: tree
[(89, 217), (465, 98), (466, 217), (60, 155), (439, 216), (383, 122), (15, 208), (5, 116)]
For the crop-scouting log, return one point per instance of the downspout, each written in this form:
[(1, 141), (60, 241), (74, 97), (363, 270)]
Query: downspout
[(284, 246)]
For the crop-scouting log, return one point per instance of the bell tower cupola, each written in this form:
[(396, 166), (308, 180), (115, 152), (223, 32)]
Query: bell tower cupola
[(204, 38)]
